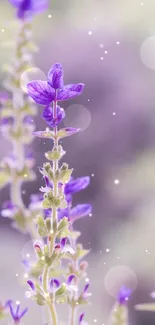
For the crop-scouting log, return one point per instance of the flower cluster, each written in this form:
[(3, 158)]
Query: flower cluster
[(16, 119), (56, 224), (119, 313)]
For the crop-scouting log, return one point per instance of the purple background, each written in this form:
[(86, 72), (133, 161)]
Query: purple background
[(112, 146)]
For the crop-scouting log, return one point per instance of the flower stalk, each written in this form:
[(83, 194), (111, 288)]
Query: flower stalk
[(17, 111), (57, 224)]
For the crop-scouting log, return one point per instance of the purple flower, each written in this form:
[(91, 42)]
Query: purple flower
[(3, 98), (48, 115), (78, 212), (81, 320), (53, 285), (76, 185), (123, 295), (45, 92), (29, 7), (9, 209), (7, 121), (15, 313)]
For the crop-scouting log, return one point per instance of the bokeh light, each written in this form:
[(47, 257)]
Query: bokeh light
[(119, 276), (147, 52), (29, 75), (77, 116)]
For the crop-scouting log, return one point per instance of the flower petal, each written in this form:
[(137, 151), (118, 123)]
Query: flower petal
[(55, 76), (123, 295), (63, 242), (63, 213), (81, 318), (70, 91), (54, 282), (76, 185), (15, 3), (48, 115), (80, 211), (39, 5), (70, 278), (23, 313), (31, 284), (41, 92)]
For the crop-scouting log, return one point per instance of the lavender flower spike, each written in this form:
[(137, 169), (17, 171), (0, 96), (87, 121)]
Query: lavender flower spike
[(15, 313), (28, 8), (45, 92)]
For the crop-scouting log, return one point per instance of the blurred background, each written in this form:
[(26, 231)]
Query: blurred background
[(110, 46)]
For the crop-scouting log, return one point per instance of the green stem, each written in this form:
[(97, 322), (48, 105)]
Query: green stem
[(51, 303), (45, 278), (53, 313), (72, 319)]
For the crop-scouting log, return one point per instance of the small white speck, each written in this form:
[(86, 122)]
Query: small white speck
[(26, 275), (106, 52), (90, 32), (16, 274), (17, 302), (90, 214), (118, 257), (142, 4), (77, 303), (100, 251), (114, 113), (146, 250), (49, 16), (89, 242), (28, 294), (107, 250), (27, 255), (86, 279), (25, 175), (102, 58), (2, 30), (116, 181), (117, 42), (101, 46), (95, 320), (88, 100), (104, 263), (92, 175)]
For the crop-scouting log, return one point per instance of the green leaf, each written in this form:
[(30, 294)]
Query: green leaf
[(44, 134), (40, 263), (65, 175), (53, 155), (36, 271), (63, 223), (64, 233), (61, 290), (54, 272), (4, 178), (48, 224), (80, 252), (67, 132), (40, 221), (48, 260), (61, 299), (42, 231), (40, 299)]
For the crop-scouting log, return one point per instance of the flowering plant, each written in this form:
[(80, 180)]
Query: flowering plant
[(16, 113), (56, 226)]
